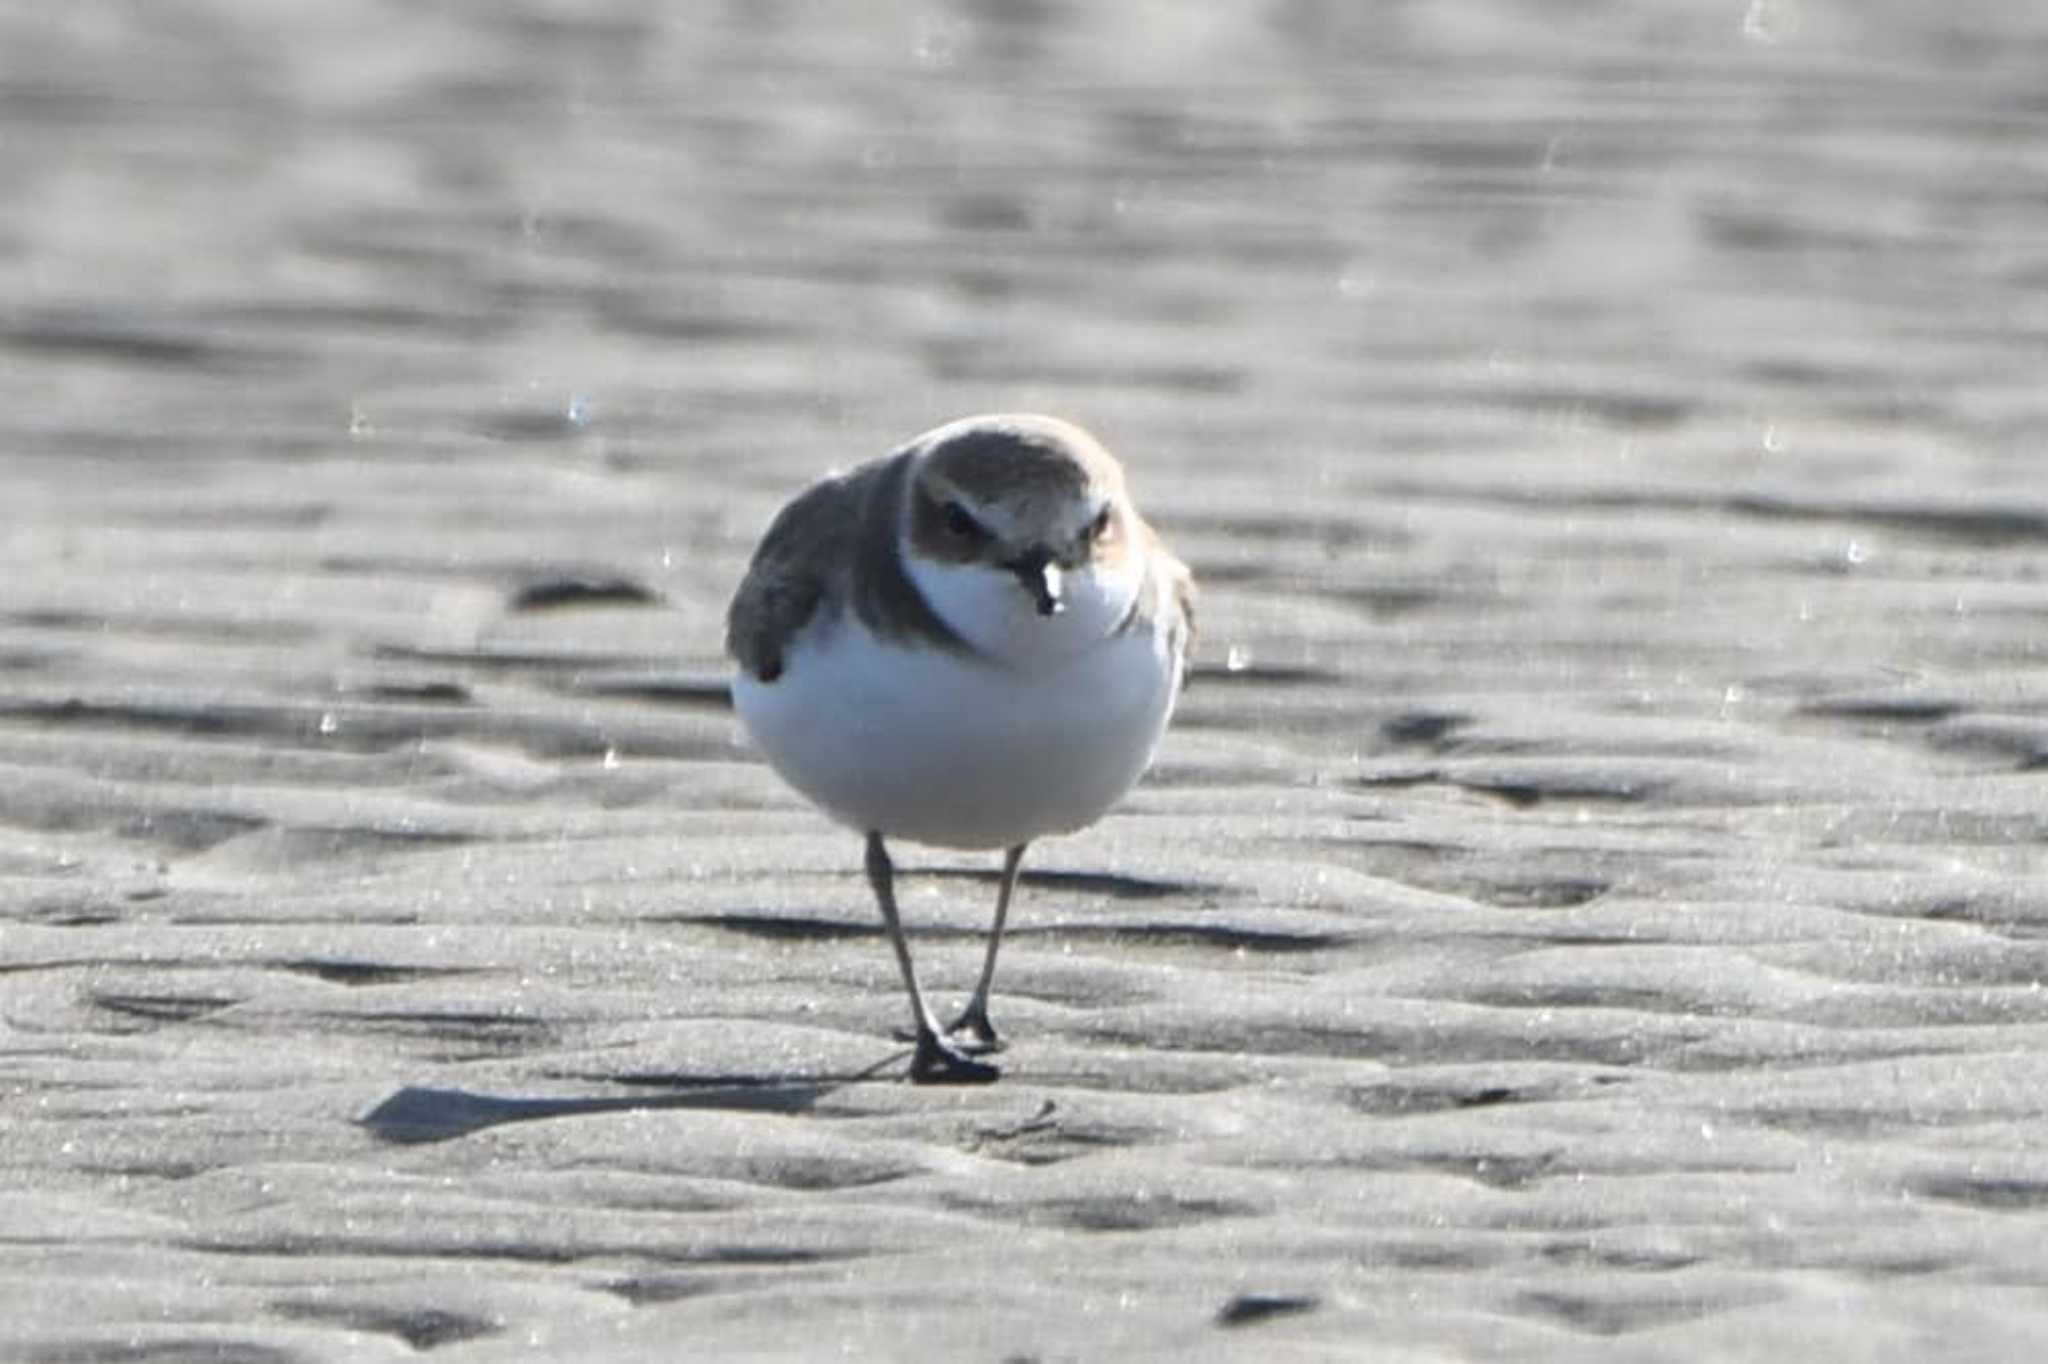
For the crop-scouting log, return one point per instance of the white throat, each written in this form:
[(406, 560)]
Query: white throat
[(989, 609)]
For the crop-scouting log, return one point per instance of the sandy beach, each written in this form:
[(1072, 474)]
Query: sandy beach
[(1590, 905)]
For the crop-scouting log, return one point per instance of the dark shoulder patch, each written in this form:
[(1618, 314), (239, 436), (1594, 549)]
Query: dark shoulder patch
[(790, 578), (831, 549), (883, 596)]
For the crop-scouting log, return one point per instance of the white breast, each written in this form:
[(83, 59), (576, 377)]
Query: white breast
[(969, 750)]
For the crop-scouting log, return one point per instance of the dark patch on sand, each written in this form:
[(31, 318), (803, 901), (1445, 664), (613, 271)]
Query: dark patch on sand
[(337, 971), (558, 591), (1249, 1309), (171, 1350), (148, 1010), (422, 1328)]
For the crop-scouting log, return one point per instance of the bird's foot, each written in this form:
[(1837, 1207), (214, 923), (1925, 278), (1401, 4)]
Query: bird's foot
[(938, 1064), (981, 1034)]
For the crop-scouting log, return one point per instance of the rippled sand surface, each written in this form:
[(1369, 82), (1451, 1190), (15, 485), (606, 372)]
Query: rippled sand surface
[(1591, 907)]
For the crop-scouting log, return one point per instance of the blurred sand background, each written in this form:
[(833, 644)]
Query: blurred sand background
[(1591, 906)]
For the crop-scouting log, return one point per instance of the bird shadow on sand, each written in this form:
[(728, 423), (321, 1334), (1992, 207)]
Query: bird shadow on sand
[(420, 1114)]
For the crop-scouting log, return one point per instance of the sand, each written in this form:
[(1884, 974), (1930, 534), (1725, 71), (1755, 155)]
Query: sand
[(1589, 907)]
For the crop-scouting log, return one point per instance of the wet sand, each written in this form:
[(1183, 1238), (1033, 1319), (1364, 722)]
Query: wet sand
[(1591, 903)]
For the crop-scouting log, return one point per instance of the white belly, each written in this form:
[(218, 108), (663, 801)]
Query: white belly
[(943, 748)]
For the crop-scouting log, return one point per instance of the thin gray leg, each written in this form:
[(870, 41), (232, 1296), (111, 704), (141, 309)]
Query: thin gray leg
[(935, 1062), (973, 1020)]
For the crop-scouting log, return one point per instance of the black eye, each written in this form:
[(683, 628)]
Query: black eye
[(962, 523), (1099, 527)]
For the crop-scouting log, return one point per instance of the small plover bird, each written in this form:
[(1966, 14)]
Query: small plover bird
[(972, 642)]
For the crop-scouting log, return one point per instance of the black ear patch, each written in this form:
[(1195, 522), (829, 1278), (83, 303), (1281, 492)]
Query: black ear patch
[(961, 522)]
